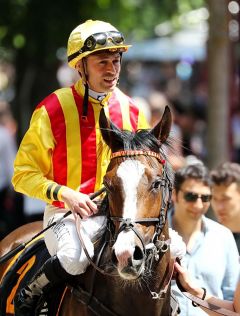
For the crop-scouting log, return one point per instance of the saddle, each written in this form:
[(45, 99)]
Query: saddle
[(21, 269)]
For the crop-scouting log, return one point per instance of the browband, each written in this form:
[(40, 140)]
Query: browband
[(126, 153)]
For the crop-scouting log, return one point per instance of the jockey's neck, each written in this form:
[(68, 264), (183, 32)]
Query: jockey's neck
[(97, 95)]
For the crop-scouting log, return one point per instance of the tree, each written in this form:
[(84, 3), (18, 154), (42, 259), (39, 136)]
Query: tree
[(35, 29), (218, 83)]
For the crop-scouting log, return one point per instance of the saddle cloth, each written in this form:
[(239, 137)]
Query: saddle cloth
[(21, 269)]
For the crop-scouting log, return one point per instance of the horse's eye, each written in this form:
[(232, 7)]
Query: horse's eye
[(156, 184)]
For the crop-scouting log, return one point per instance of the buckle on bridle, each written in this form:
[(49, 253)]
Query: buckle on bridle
[(126, 223)]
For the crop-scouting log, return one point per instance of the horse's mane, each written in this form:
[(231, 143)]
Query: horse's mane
[(143, 139)]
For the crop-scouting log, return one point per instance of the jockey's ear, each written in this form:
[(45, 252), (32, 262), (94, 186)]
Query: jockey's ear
[(162, 130), (110, 132)]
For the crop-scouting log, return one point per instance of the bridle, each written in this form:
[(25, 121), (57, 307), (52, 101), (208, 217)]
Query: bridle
[(156, 246), (129, 224)]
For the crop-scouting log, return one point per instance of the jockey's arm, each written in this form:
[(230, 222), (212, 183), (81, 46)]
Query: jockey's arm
[(33, 171)]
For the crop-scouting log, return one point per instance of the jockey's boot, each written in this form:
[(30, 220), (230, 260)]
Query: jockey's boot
[(50, 274)]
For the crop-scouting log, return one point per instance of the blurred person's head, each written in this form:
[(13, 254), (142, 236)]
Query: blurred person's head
[(4, 110), (6, 117), (192, 192), (226, 194), (157, 102)]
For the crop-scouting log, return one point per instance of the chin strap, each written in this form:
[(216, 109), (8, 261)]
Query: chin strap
[(85, 104)]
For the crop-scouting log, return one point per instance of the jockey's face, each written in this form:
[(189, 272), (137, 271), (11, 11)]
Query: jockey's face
[(103, 69)]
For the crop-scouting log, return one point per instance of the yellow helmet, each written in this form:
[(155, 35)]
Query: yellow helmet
[(92, 36)]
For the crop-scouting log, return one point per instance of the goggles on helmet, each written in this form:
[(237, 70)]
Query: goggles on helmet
[(99, 40)]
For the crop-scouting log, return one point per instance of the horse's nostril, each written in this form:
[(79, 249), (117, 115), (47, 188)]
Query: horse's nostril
[(138, 254)]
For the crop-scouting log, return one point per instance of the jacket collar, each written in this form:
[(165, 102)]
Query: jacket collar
[(79, 87)]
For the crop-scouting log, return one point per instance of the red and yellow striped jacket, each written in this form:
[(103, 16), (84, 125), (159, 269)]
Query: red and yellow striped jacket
[(60, 149)]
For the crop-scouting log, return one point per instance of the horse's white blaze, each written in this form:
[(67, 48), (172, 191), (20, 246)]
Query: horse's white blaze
[(130, 172), (124, 247)]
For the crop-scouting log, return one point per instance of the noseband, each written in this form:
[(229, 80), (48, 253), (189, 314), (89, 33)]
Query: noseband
[(129, 224)]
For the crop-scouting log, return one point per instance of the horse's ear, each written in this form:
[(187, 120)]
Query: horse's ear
[(162, 129), (109, 131)]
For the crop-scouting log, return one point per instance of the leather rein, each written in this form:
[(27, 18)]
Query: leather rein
[(200, 302)]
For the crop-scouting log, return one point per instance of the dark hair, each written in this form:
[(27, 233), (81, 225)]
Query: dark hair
[(226, 173), (195, 171)]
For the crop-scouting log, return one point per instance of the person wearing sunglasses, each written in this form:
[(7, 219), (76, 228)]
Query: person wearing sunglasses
[(62, 157), (226, 197), (211, 253)]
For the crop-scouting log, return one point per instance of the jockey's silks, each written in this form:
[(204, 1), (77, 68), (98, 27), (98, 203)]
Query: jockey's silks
[(61, 149)]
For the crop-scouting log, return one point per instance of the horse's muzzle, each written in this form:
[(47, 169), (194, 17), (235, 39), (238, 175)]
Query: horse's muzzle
[(134, 265)]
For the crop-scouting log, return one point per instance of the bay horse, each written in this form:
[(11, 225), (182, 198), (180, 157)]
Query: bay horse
[(133, 269)]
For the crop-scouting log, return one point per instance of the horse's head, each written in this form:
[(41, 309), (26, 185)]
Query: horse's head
[(138, 185)]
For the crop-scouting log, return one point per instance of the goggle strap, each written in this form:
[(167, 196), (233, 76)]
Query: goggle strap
[(83, 49), (74, 55)]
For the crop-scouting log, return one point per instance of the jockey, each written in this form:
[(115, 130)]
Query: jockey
[(62, 157)]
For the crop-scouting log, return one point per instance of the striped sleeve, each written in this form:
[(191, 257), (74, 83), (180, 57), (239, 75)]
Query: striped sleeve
[(33, 164)]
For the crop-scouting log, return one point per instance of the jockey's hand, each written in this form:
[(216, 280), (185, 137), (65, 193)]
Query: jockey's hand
[(79, 203)]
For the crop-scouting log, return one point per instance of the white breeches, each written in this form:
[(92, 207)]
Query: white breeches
[(62, 239)]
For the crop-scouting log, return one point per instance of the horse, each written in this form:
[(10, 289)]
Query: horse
[(132, 271)]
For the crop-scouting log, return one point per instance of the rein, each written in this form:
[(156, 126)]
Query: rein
[(196, 301), (212, 307), (153, 251), (156, 245), (22, 246)]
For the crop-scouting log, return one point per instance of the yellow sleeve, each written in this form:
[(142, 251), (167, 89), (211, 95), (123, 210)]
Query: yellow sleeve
[(33, 171)]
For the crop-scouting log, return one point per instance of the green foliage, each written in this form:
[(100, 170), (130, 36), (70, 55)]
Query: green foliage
[(40, 26), (33, 33)]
